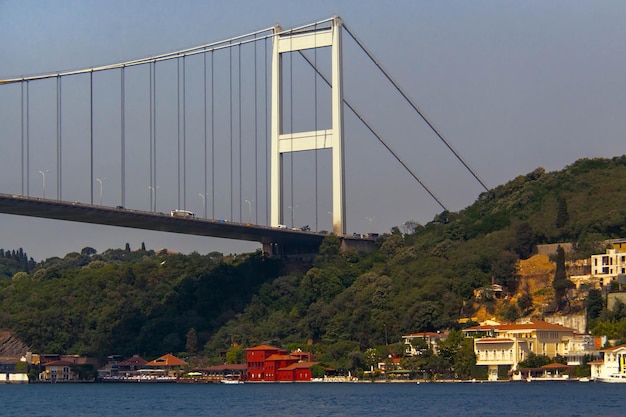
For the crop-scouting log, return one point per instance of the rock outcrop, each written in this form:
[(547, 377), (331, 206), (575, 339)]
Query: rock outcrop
[(11, 346)]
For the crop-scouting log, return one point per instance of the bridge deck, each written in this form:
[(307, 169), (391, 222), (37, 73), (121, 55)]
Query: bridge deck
[(121, 217)]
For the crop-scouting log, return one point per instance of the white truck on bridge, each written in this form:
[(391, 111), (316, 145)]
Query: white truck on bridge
[(182, 213)]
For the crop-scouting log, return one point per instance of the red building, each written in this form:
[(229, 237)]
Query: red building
[(300, 371), (272, 364), (255, 361)]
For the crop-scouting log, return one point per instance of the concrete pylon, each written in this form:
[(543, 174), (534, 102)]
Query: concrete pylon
[(281, 143)]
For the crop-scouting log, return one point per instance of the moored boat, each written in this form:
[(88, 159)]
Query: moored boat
[(613, 378), (231, 379)]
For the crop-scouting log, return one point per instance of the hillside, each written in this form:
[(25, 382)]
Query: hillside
[(424, 280), (122, 302), (10, 346)]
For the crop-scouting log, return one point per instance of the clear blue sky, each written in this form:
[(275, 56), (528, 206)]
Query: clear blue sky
[(513, 85)]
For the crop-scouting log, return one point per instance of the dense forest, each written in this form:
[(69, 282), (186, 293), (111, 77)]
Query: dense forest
[(421, 278)]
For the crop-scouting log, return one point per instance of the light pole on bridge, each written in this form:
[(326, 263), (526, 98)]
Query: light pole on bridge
[(371, 219), (249, 210), (293, 209), (101, 181), (43, 176), (204, 196), (153, 197)]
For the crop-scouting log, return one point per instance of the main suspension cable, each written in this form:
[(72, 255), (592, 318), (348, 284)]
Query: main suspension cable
[(376, 134), (414, 106)]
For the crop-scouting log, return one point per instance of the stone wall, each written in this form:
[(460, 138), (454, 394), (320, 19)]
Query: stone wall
[(578, 322), (613, 297)]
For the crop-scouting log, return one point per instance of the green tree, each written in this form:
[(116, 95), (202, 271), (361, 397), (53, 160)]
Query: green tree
[(594, 304), (371, 357), (192, 341), (510, 312), (504, 269), (535, 361), (453, 353), (525, 302), (235, 354), (88, 251), (524, 240), (562, 215), (465, 359), (317, 371), (21, 367), (560, 283)]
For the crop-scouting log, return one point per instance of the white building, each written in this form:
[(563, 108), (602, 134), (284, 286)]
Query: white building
[(413, 341), (606, 267), (612, 366)]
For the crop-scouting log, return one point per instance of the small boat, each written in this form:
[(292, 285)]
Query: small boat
[(231, 379), (613, 378)]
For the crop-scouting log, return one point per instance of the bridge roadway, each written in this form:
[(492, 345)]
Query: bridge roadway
[(275, 241)]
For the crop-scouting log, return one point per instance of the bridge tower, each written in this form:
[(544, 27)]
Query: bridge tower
[(332, 138)]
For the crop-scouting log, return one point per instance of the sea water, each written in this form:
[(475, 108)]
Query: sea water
[(315, 399)]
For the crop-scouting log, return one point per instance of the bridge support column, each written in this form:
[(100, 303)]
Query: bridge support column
[(292, 41)]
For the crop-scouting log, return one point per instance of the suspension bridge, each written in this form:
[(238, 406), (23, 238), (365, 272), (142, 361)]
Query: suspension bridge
[(251, 126)]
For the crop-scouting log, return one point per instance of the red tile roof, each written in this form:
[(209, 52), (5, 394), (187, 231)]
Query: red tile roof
[(298, 365), (494, 340), (555, 366), (134, 361), (58, 363), (226, 367), (533, 325), (423, 334), (264, 347), (614, 348), (167, 360), (277, 357)]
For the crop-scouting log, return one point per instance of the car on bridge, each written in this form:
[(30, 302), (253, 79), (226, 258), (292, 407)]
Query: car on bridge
[(182, 213)]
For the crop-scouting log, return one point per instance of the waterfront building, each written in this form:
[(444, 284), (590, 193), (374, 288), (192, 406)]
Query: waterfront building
[(611, 367), (58, 371), (272, 364), (413, 341), (169, 364), (501, 347)]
